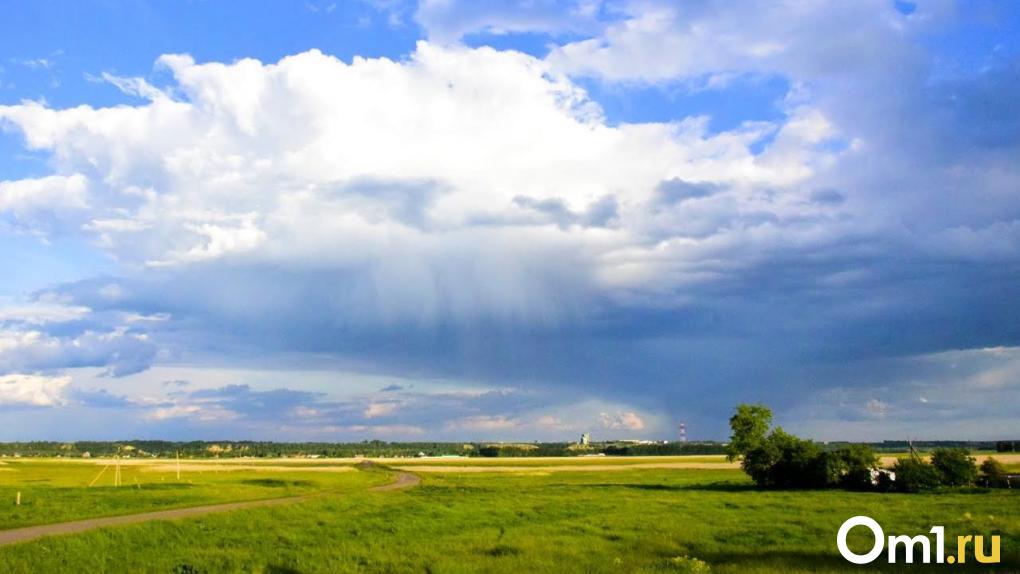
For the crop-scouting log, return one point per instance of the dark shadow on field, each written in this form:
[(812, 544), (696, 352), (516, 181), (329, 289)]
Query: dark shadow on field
[(275, 482), (713, 486), (165, 486), (721, 487), (279, 569)]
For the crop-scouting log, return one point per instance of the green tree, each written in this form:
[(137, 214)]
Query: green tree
[(915, 475), (993, 473), (955, 466), (856, 462), (750, 425), (782, 460), (801, 464)]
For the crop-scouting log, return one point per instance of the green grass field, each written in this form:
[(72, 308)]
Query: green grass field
[(627, 520), (56, 491)]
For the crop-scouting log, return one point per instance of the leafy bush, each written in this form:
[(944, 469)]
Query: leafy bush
[(955, 466), (993, 473), (855, 464), (915, 475), (779, 459), (758, 463), (800, 463)]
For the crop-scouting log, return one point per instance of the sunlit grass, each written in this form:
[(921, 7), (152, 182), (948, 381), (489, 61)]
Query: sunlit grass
[(605, 521), (56, 491)]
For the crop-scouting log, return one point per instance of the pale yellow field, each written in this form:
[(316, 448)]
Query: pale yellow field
[(1004, 458), (453, 464), (569, 467)]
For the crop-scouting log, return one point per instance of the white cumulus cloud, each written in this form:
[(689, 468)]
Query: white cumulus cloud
[(32, 390), (449, 182)]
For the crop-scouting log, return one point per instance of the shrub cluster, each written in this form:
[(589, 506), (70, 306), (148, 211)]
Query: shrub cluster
[(777, 459), (948, 467), (993, 474), (782, 460)]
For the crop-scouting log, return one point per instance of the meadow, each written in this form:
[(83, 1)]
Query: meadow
[(53, 490), (535, 519)]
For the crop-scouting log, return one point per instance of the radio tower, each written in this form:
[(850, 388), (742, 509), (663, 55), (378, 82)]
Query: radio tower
[(683, 432)]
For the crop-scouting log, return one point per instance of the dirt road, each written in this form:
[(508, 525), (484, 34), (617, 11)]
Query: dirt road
[(404, 480)]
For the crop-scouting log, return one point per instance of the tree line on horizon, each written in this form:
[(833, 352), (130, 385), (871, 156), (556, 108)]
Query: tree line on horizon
[(380, 448), (368, 448)]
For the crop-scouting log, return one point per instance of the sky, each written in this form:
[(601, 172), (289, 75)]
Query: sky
[(508, 220)]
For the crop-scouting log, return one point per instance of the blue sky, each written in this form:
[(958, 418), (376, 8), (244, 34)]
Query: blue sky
[(508, 220)]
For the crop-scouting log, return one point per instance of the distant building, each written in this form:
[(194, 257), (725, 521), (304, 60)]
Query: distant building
[(585, 439)]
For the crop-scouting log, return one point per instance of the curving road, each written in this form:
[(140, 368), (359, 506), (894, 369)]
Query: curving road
[(404, 480)]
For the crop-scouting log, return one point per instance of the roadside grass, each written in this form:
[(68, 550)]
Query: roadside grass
[(613, 521), (54, 491)]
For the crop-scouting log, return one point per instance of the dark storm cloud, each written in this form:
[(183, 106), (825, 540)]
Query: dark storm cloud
[(255, 404)]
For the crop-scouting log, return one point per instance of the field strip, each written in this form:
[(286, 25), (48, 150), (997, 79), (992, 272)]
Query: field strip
[(281, 464), (27, 533), (213, 467), (250, 463), (508, 466), (538, 461), (1003, 457), (571, 468)]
